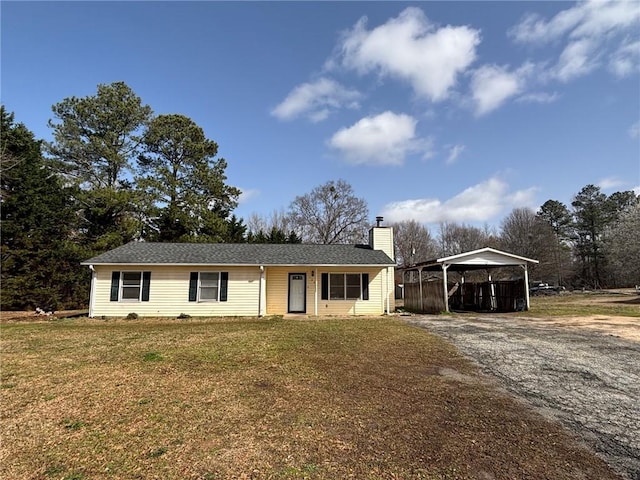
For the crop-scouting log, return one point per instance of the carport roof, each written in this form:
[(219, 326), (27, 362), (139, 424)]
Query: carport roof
[(477, 259)]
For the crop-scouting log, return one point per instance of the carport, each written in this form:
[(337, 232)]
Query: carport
[(427, 288)]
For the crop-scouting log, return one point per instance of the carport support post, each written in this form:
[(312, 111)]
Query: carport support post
[(420, 289), (526, 284), (446, 292)]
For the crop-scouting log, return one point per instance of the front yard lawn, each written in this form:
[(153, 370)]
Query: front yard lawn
[(262, 398)]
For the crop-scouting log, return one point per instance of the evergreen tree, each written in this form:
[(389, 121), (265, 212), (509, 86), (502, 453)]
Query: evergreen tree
[(276, 235), (186, 184), (96, 139), (558, 217), (40, 265), (592, 215)]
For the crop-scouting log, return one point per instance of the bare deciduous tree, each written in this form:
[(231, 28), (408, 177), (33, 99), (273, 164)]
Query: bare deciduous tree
[(624, 248), (330, 214), (454, 238), (413, 243), (278, 219), (526, 234)]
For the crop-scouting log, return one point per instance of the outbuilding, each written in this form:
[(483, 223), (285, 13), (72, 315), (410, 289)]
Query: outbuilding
[(442, 284)]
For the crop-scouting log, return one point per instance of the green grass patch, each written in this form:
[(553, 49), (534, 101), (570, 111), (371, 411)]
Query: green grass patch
[(73, 424), (152, 357)]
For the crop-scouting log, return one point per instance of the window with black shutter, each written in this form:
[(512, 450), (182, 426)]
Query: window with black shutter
[(208, 286), (130, 286)]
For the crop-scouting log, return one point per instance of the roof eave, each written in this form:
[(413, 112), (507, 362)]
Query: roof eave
[(239, 264)]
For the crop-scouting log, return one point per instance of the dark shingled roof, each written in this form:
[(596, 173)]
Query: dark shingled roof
[(147, 253)]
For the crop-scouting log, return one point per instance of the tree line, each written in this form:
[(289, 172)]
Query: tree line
[(593, 243), (116, 172)]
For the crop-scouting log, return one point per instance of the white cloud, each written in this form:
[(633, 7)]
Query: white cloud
[(492, 85), (535, 29), (585, 19), (626, 60), (411, 48), (247, 195), (634, 130), (538, 97), (384, 139), (521, 198), (316, 100), (636, 190), (454, 153), (577, 59), (609, 183), (592, 30), (478, 203)]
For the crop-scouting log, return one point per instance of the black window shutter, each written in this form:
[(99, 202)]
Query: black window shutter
[(365, 286), (146, 280), (193, 286), (325, 287), (224, 282), (115, 286)]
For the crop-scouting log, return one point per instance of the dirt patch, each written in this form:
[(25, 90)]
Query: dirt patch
[(618, 326), (32, 316)]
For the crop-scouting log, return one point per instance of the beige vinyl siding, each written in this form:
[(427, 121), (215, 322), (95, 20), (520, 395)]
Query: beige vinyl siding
[(373, 306), (277, 280), (388, 277), (169, 292), (381, 238)]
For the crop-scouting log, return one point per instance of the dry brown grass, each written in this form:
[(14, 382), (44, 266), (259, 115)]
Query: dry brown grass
[(268, 398), (622, 302)]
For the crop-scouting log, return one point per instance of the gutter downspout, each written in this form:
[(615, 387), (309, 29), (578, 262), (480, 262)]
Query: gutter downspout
[(315, 291), (386, 290), (260, 291), (92, 296)]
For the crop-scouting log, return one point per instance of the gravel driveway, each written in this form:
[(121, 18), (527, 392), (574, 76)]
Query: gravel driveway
[(588, 380)]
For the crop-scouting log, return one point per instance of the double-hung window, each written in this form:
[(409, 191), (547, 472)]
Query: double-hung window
[(345, 286), (130, 286), (208, 286)]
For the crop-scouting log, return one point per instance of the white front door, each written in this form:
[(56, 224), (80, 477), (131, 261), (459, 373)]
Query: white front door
[(297, 292)]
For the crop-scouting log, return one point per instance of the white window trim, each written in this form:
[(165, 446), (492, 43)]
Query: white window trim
[(208, 300), (121, 287)]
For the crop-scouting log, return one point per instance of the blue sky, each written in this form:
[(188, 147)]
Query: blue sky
[(433, 111)]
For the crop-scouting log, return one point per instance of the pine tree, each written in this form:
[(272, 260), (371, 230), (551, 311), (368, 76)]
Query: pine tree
[(40, 265), (96, 140), (186, 184)]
